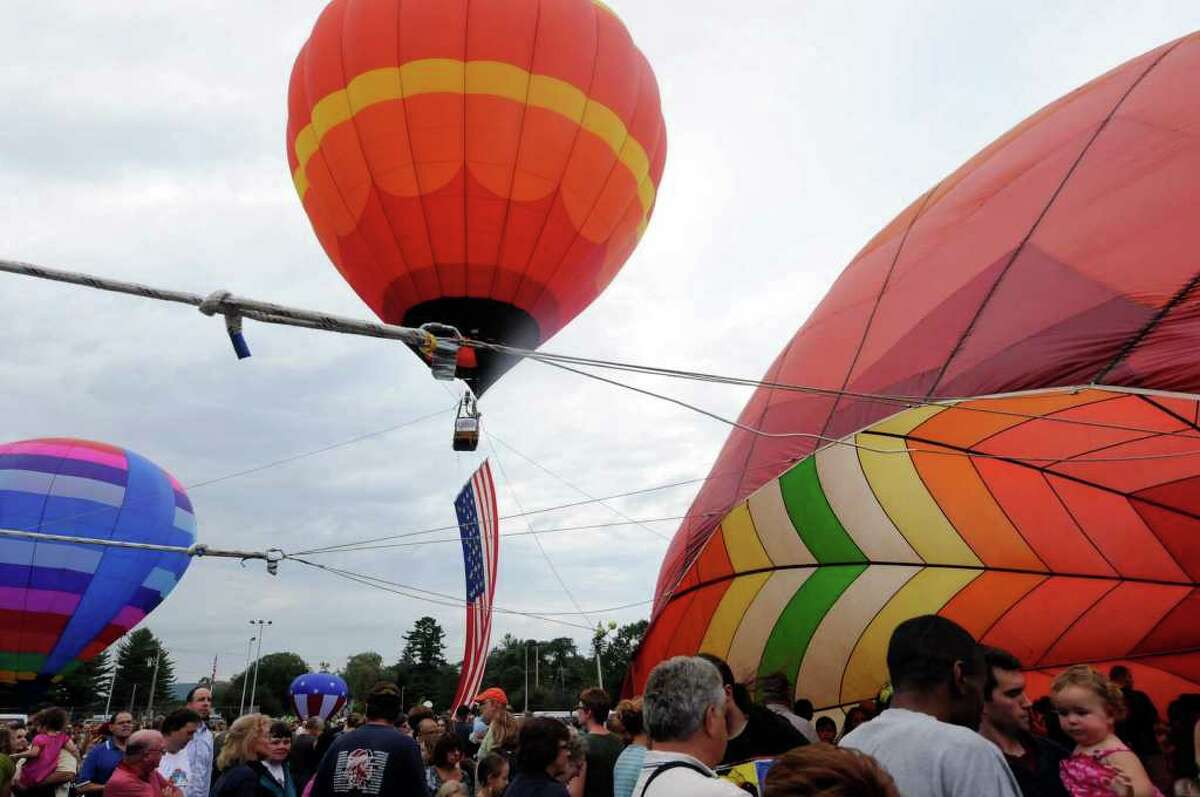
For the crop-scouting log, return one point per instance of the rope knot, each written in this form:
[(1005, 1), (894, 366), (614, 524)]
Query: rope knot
[(212, 303)]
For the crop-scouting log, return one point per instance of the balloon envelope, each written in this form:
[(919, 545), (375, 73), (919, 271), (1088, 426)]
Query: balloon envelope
[(1059, 256), (63, 603), (489, 164), (318, 694)]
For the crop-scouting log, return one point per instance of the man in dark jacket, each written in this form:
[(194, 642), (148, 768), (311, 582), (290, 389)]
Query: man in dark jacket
[(375, 758), (1006, 721), (754, 731)]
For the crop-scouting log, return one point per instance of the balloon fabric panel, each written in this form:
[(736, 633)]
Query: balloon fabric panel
[(1054, 559), (486, 164), (1055, 257), (64, 603)]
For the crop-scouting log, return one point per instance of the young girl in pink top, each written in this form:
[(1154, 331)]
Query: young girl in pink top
[(42, 755), (1088, 705)]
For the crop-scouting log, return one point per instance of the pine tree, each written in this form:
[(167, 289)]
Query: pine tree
[(84, 687), (424, 645), (135, 672)]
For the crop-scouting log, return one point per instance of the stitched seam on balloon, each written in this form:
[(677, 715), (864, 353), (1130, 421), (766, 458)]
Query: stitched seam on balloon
[(1150, 631), (841, 688), (857, 454), (21, 638), (466, 253), (1041, 216), (646, 208), (1044, 577), (1117, 396), (777, 366), (512, 178), (337, 189), (1176, 300), (912, 463), (587, 95), (1077, 480), (1000, 505), (1116, 571), (741, 619), (1187, 421), (1078, 619), (878, 301), (1043, 469), (412, 156), (648, 204), (937, 566), (111, 534), (308, 141), (373, 189)]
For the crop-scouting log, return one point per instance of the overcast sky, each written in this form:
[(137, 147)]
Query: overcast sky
[(146, 141)]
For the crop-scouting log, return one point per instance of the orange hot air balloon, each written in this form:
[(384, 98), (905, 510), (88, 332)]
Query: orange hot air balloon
[(488, 164)]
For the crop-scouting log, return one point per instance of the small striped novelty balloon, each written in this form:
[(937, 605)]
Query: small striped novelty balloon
[(318, 694)]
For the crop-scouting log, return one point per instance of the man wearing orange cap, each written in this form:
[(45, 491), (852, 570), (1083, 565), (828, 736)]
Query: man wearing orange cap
[(492, 701)]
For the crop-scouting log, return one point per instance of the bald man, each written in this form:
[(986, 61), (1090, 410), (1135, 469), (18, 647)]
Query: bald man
[(137, 774)]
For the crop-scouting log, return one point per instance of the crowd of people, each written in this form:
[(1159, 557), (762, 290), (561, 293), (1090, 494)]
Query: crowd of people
[(955, 722)]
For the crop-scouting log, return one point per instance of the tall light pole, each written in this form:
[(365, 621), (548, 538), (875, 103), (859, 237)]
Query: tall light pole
[(254, 687), (153, 683), (246, 676)]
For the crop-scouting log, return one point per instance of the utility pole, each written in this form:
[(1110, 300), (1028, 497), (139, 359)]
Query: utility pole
[(258, 660), (537, 660), (246, 676), (112, 684), (526, 676), (598, 640), (154, 683)]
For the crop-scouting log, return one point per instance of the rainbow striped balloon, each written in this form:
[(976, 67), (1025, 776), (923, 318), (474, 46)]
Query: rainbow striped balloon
[(63, 603), (1059, 525)]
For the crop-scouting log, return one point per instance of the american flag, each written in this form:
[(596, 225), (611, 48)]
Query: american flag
[(479, 527)]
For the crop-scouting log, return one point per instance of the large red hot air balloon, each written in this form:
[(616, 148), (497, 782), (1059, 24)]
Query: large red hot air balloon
[(487, 164), (1058, 264)]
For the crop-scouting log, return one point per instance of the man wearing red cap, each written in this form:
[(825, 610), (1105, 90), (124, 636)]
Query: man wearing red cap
[(492, 701)]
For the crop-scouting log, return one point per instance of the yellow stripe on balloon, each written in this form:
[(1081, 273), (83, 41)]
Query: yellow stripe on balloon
[(926, 593), (851, 499), (746, 551), (902, 494), (750, 640), (718, 639), (831, 644), (486, 78)]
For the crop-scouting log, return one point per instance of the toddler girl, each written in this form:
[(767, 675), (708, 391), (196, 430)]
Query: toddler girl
[(1088, 705), (42, 755)]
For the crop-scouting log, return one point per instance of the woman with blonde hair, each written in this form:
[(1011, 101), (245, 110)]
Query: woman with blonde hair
[(244, 761), (504, 729)]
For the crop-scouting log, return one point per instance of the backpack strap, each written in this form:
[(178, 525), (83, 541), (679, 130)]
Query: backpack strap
[(668, 766)]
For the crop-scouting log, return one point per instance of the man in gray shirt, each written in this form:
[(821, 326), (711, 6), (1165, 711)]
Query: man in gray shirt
[(926, 740)]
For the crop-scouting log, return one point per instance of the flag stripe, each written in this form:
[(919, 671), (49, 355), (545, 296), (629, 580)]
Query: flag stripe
[(478, 526)]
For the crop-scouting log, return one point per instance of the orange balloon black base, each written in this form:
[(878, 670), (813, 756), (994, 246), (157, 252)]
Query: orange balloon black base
[(480, 319)]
